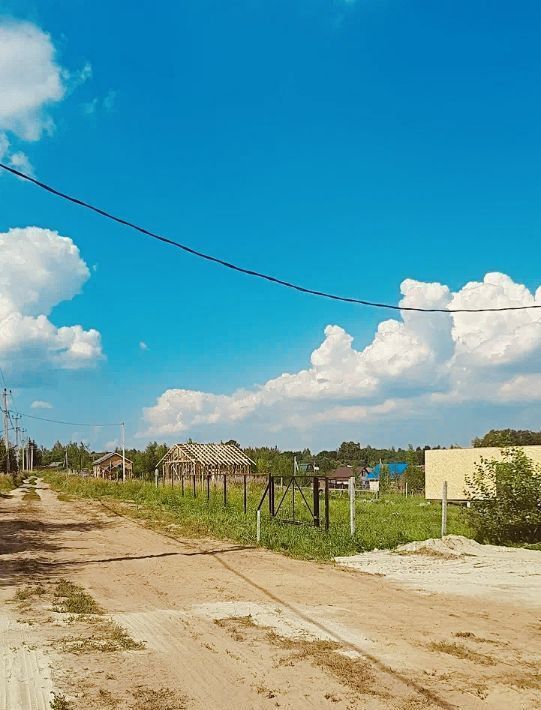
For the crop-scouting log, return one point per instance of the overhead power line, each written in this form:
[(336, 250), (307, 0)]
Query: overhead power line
[(250, 272), (57, 421)]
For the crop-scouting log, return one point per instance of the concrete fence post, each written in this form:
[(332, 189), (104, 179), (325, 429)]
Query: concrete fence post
[(351, 487), (444, 509)]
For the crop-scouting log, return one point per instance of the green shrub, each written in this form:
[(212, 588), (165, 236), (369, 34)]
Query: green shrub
[(506, 499), (384, 479)]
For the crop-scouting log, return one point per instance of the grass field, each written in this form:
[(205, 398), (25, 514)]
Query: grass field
[(381, 523)]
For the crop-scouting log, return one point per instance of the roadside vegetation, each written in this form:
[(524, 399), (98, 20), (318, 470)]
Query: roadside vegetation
[(10, 481), (506, 499), (383, 522)]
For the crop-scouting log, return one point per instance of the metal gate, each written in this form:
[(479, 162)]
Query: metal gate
[(293, 495)]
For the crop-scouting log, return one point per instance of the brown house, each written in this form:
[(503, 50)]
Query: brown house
[(110, 466), (339, 478)]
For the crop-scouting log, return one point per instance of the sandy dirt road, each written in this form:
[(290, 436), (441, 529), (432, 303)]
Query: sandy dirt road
[(226, 626)]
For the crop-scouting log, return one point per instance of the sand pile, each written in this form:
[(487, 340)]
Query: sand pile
[(457, 565), (449, 546)]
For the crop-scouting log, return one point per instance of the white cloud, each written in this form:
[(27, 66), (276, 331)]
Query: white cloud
[(38, 270), (418, 363), (97, 104), (143, 346), (21, 162), (41, 404), (89, 107), (31, 81)]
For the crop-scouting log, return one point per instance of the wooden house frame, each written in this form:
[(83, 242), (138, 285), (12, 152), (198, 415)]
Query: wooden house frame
[(203, 460)]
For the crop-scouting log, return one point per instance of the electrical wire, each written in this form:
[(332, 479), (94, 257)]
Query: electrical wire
[(251, 272), (57, 421)]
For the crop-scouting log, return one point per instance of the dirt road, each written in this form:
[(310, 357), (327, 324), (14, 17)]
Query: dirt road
[(205, 624)]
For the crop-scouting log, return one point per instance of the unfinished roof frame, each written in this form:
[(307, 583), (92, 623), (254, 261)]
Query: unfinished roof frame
[(202, 460)]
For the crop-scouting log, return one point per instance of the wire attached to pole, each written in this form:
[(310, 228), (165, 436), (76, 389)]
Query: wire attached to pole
[(251, 272)]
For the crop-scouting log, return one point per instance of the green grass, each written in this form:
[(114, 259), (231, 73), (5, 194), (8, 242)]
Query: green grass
[(70, 598), (31, 495), (381, 523), (9, 482), (29, 591), (60, 702)]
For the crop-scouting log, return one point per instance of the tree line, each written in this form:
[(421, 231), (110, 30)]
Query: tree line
[(269, 458)]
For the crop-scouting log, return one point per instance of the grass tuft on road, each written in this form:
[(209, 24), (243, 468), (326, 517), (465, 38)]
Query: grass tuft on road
[(105, 636), (460, 651), (60, 702), (29, 591), (382, 523), (31, 495), (70, 598)]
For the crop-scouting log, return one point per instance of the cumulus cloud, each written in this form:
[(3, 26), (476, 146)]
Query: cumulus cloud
[(31, 81), (38, 270), (418, 361), (41, 404)]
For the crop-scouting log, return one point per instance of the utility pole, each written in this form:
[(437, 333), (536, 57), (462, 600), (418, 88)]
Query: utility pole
[(23, 449), (17, 418), (123, 439), (6, 426)]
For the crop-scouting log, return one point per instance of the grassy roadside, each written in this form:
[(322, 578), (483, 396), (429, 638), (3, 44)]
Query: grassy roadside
[(9, 482), (384, 523)]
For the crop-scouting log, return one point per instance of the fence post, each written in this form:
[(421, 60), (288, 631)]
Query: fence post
[(444, 509), (225, 490), (352, 505), (326, 503), (156, 477), (316, 501), (271, 495), (244, 495), (406, 489), (258, 525)]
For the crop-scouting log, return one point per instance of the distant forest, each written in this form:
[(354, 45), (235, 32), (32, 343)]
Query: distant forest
[(272, 459)]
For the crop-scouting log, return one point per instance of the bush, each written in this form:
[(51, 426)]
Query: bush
[(505, 499), (384, 479), (415, 478)]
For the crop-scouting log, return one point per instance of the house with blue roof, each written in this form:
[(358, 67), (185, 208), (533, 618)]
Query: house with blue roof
[(395, 471)]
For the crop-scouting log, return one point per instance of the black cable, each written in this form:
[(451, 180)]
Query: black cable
[(56, 421), (250, 272)]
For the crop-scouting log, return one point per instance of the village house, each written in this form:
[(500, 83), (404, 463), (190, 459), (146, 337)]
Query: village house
[(110, 466)]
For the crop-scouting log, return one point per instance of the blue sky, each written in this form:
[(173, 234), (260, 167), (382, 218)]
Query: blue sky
[(344, 145)]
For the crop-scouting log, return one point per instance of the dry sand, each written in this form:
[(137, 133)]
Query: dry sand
[(230, 626), (457, 565)]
